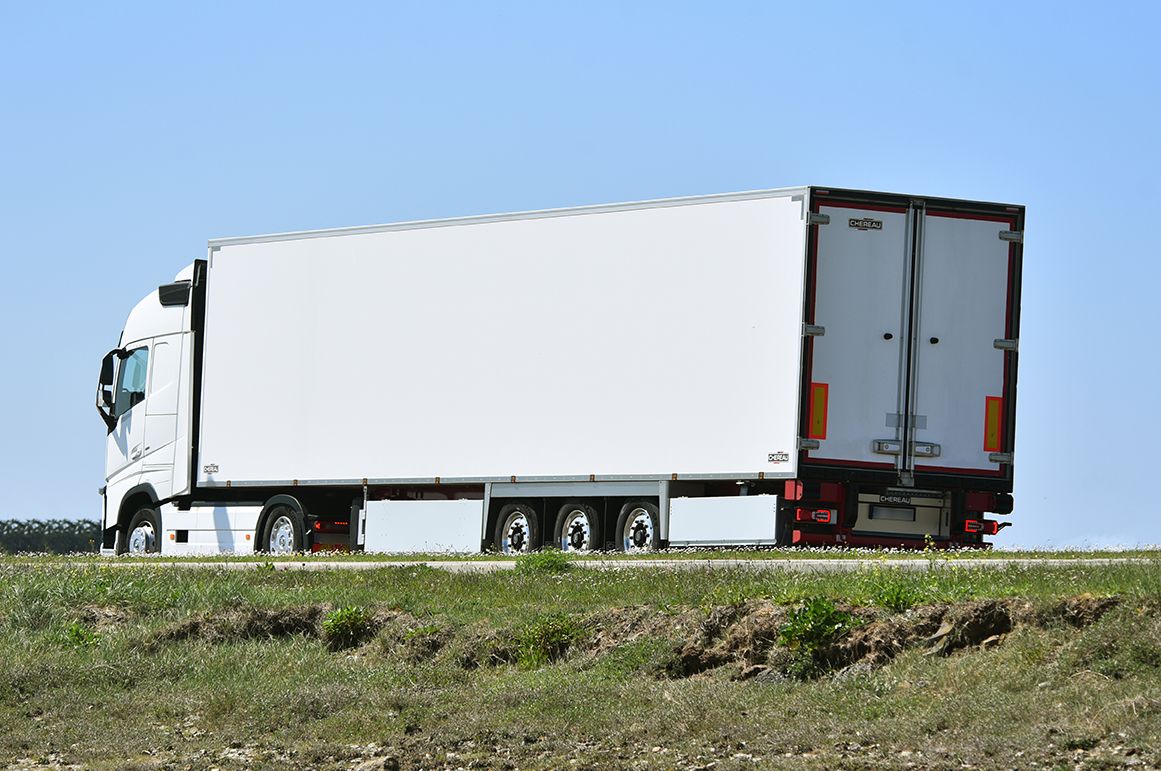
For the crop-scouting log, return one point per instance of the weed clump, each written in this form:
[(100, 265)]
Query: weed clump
[(80, 636), (548, 561), (348, 627), (809, 632), (896, 597), (546, 639)]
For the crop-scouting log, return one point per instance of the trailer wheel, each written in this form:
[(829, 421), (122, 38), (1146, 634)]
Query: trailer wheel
[(638, 527), (517, 529), (143, 535), (284, 531), (577, 528)]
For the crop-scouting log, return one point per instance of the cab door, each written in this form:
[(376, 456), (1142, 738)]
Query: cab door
[(856, 358), (124, 444)]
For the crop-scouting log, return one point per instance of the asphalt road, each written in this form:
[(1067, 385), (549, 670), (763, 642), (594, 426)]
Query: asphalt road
[(797, 565)]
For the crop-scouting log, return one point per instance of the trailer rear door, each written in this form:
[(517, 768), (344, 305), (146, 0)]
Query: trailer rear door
[(964, 307), (860, 268), (911, 355)]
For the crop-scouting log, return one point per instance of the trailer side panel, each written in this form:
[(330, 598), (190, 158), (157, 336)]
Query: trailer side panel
[(642, 342)]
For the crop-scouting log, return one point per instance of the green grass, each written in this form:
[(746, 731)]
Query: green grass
[(755, 553), (548, 561), (539, 668)]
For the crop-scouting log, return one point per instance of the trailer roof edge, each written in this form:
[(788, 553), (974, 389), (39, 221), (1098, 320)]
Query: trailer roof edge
[(504, 217)]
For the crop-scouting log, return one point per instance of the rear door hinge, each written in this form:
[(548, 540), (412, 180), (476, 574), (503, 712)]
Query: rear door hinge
[(1000, 457), (813, 330), (818, 219), (1006, 344), (808, 444), (1015, 236)]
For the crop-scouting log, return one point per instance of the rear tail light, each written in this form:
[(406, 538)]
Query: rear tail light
[(817, 516), (329, 526), (982, 526)]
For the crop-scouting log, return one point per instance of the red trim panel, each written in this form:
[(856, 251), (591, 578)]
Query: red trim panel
[(855, 463), (958, 215), (953, 470), (863, 207)]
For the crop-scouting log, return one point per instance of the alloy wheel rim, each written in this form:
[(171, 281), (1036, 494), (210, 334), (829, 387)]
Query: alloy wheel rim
[(142, 539), (638, 533), (576, 535), (282, 536), (516, 533)]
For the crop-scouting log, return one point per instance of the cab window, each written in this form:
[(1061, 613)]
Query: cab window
[(131, 381)]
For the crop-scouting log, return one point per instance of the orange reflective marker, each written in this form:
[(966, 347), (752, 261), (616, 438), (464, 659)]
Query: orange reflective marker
[(819, 396), (993, 423)]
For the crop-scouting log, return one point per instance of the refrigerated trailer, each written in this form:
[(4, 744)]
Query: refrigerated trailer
[(795, 366)]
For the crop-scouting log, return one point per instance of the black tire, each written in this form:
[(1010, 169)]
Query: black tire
[(517, 529), (578, 528), (283, 530), (643, 535), (143, 536)]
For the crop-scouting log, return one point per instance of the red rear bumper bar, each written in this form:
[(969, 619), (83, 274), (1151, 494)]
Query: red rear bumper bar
[(847, 539)]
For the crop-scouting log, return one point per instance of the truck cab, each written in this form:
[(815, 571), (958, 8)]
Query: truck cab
[(144, 399)]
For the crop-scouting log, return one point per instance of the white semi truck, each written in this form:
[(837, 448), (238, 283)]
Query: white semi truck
[(795, 366)]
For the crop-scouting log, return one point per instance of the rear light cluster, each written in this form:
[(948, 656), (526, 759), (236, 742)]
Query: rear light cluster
[(983, 526), (817, 516), (331, 526)]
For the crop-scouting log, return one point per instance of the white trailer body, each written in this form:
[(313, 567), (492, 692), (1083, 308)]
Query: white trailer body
[(845, 360), (616, 343)]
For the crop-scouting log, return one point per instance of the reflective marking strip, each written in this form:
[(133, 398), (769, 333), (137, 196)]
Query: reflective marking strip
[(819, 395), (993, 423)]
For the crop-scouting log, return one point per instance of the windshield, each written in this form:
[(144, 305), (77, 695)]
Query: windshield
[(131, 381)]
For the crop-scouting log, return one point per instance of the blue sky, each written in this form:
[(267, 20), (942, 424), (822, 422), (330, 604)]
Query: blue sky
[(132, 133)]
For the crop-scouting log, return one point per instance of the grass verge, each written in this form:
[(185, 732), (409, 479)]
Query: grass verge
[(146, 667)]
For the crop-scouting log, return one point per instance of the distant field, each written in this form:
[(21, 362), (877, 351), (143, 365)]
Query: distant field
[(556, 665)]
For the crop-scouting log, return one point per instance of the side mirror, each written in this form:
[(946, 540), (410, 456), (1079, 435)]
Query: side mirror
[(107, 369), (105, 397)]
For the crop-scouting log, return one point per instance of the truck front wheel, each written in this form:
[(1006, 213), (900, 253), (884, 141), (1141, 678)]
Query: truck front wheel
[(284, 531), (517, 529), (638, 527), (143, 534)]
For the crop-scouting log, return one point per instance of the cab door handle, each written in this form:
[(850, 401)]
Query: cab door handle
[(136, 453)]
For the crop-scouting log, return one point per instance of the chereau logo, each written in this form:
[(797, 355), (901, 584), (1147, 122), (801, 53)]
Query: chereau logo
[(866, 223)]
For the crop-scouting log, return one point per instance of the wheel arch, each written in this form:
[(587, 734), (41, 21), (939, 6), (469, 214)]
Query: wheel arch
[(135, 498)]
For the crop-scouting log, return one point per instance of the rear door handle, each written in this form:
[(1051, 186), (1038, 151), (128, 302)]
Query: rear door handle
[(925, 449), (887, 446)]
